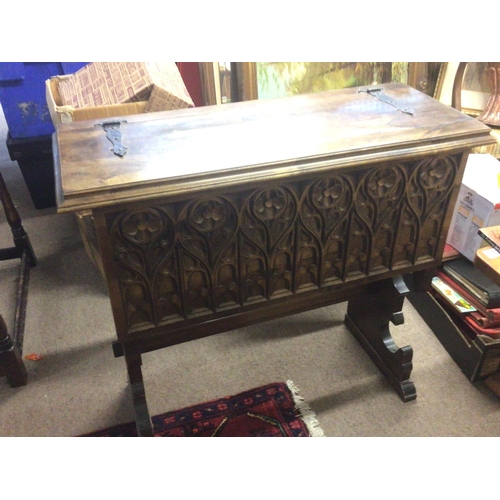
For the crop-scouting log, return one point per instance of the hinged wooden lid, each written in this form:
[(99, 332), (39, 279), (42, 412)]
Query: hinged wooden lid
[(184, 151)]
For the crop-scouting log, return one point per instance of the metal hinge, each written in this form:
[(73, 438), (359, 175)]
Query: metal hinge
[(379, 94), (114, 134)]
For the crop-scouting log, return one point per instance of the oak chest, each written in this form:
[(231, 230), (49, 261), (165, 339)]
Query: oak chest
[(208, 219)]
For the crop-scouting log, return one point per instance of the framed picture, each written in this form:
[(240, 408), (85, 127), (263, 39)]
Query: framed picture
[(264, 80), (243, 81), (464, 86)]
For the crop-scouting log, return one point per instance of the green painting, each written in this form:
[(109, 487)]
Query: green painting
[(278, 79)]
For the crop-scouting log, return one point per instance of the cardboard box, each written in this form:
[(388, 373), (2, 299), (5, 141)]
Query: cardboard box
[(478, 204), (66, 114), (103, 90), (107, 83)]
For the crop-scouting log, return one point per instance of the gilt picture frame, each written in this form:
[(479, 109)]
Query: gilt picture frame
[(244, 81)]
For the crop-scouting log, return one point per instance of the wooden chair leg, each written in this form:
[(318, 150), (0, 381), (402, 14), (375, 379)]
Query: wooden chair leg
[(11, 362), (21, 239)]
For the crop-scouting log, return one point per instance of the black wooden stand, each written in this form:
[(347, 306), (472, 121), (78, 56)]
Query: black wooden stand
[(368, 320)]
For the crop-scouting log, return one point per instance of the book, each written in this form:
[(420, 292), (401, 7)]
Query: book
[(456, 300), (450, 253), (474, 281), (491, 235), (464, 311), (487, 318)]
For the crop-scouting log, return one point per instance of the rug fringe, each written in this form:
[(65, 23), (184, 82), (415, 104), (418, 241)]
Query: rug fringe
[(307, 415)]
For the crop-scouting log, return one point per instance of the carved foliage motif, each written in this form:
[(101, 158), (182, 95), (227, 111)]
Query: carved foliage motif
[(377, 201), (143, 244), (267, 243), (179, 260), (208, 253), (323, 232), (428, 192)]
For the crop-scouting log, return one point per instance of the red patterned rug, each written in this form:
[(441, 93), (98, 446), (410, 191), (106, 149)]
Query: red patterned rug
[(274, 410)]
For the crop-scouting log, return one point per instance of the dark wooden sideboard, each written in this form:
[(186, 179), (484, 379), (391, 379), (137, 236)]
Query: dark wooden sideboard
[(223, 216)]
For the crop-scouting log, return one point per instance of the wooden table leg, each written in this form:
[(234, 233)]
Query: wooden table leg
[(368, 320), (142, 418), (11, 362)]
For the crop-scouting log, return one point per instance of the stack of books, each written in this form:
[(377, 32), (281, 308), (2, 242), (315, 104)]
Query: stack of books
[(469, 294)]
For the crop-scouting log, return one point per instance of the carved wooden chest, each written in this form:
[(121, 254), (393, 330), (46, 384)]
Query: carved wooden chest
[(209, 219)]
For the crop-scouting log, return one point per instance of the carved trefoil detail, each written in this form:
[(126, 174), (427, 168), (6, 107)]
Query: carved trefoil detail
[(180, 260)]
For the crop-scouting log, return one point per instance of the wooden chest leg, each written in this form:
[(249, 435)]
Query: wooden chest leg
[(11, 363), (142, 418), (368, 320)]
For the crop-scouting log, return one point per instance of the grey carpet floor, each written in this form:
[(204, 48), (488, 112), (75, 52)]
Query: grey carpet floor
[(79, 386)]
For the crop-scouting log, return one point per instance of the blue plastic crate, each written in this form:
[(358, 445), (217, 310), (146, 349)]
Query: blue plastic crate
[(22, 95)]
